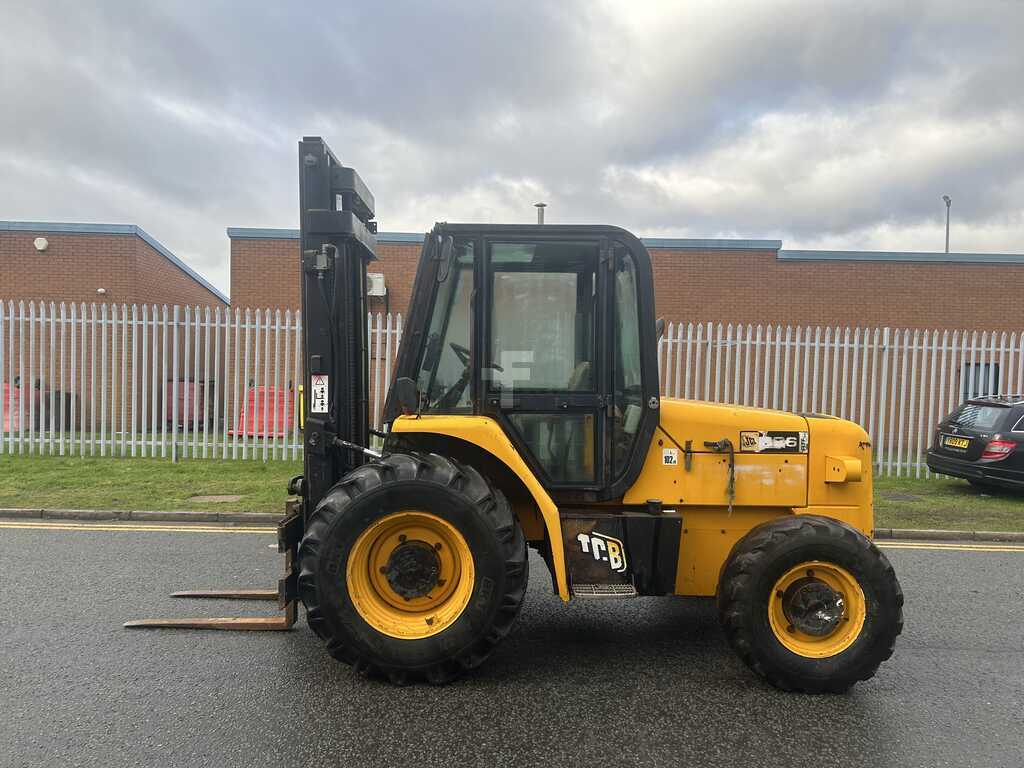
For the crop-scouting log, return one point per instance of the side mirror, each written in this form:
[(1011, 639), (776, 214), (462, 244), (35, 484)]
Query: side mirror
[(406, 394), (659, 328), (445, 259)]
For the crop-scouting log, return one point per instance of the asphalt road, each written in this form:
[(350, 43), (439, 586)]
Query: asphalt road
[(641, 682)]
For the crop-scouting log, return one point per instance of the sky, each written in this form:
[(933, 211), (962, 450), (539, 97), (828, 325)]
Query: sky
[(825, 125)]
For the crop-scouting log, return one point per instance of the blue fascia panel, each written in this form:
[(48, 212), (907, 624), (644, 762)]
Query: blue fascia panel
[(256, 233), (241, 233), (906, 256)]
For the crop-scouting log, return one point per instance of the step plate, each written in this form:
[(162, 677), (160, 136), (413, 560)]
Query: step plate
[(603, 591)]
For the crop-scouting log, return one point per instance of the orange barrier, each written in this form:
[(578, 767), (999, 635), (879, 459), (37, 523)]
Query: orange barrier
[(255, 421)]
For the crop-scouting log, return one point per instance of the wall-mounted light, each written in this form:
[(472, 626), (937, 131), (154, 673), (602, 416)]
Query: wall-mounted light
[(101, 291), (41, 244)]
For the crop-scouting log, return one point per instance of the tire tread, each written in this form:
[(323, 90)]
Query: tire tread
[(490, 504), (752, 554)]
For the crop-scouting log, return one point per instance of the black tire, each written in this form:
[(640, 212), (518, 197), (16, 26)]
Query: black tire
[(985, 485), (771, 549), (462, 497)]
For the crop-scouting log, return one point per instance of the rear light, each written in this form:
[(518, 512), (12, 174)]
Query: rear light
[(998, 449)]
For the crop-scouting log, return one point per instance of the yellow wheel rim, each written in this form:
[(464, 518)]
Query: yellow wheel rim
[(410, 575), (817, 609)]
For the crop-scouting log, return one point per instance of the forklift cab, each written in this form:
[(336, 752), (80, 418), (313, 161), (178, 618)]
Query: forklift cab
[(549, 330)]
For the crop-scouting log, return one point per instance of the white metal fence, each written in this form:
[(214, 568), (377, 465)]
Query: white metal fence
[(897, 383), (168, 382), (190, 382)]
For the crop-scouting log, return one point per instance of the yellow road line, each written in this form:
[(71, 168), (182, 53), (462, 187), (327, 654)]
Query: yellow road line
[(133, 527), (953, 547)]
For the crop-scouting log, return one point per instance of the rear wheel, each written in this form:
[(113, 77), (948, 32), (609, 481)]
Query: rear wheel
[(413, 567), (983, 485), (810, 604)]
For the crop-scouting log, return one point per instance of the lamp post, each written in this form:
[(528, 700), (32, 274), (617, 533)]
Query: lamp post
[(948, 201)]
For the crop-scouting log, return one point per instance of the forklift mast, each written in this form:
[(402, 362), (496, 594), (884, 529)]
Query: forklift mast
[(338, 239)]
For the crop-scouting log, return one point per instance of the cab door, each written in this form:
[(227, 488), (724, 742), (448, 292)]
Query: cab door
[(545, 375)]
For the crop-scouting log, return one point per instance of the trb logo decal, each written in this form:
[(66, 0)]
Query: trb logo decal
[(604, 548)]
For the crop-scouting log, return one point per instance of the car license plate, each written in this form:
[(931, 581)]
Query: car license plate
[(960, 443)]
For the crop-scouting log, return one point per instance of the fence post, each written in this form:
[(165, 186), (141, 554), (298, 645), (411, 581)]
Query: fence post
[(217, 380), (737, 364), (383, 385), (1019, 389), (54, 389), (103, 328), (5, 407), (678, 360), (28, 383), (375, 329), (299, 380), (277, 383), (266, 382)]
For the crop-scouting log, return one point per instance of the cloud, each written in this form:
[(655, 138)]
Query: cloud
[(825, 124)]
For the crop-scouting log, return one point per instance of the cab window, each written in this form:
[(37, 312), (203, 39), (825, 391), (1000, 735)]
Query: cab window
[(627, 389), (445, 371), (544, 299)]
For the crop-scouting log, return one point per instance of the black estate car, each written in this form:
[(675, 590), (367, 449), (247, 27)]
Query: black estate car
[(982, 441)]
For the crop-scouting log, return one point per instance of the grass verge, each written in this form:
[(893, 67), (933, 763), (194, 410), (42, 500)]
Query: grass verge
[(50, 482), (956, 505), (105, 483)]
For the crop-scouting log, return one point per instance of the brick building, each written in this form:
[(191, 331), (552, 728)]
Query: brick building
[(84, 370), (265, 268), (50, 271), (108, 263), (746, 281)]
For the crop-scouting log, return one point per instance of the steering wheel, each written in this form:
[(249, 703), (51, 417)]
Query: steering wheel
[(461, 352)]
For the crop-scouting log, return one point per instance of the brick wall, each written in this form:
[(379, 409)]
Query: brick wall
[(265, 273), (158, 281), (71, 269), (747, 286), (757, 287), (75, 265)]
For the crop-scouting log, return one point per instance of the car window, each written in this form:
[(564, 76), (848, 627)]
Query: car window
[(979, 416), (1019, 426)]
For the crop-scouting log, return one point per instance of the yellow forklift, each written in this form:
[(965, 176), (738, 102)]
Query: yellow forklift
[(526, 413)]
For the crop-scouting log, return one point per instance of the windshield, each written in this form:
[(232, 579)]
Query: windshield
[(979, 416), (443, 376)]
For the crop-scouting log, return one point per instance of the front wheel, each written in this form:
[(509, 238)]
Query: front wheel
[(810, 603), (412, 567)]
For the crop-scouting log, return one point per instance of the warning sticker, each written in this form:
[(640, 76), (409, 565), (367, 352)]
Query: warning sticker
[(318, 395)]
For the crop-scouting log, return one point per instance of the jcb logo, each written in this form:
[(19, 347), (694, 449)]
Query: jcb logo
[(606, 548), (773, 442)]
